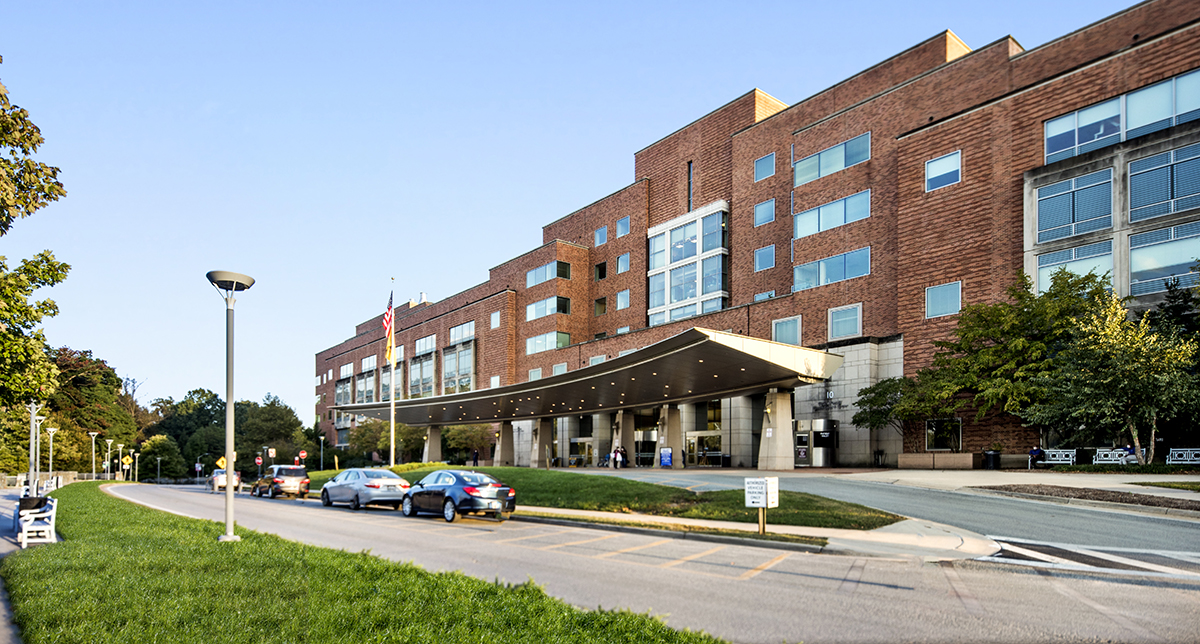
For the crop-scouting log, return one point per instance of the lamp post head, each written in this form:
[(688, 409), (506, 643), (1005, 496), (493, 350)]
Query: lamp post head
[(51, 430), (93, 435), (120, 445), (228, 283), (109, 441)]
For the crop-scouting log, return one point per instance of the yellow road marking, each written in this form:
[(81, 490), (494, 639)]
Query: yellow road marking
[(753, 573), (535, 536), (577, 543), (691, 557), (642, 547)]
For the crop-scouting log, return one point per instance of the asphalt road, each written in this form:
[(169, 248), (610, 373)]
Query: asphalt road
[(984, 514), (744, 594)]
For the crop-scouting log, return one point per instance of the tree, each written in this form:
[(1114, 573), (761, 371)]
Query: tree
[(86, 401), (199, 408), (272, 423), (1117, 376), (173, 465), (369, 436), (1177, 311), (878, 405), (467, 438), (25, 185)]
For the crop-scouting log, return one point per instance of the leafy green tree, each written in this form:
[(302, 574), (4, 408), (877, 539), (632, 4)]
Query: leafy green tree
[(208, 444), (879, 405), (272, 423), (26, 185), (86, 401), (467, 438), (173, 465), (1178, 311), (199, 408), (1117, 377)]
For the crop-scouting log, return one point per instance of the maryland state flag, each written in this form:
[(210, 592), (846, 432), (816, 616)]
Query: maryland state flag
[(388, 330)]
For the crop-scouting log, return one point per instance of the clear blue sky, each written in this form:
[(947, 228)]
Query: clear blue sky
[(324, 148)]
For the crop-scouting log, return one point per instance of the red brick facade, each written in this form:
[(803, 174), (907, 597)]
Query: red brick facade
[(938, 97)]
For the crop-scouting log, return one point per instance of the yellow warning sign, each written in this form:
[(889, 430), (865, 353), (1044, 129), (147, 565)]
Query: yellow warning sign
[(221, 463), (127, 460)]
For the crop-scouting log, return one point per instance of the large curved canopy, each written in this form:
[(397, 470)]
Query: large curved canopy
[(696, 365)]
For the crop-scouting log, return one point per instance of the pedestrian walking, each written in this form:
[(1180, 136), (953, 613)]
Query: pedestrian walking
[(475, 459)]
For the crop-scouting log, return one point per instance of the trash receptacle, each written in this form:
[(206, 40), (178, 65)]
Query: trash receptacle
[(991, 459)]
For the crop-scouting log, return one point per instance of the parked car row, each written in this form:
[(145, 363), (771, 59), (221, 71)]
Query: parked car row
[(450, 493)]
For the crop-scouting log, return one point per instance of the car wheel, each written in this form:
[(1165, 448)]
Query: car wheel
[(449, 512), (271, 492), (325, 499), (354, 504), (254, 490), (406, 507)]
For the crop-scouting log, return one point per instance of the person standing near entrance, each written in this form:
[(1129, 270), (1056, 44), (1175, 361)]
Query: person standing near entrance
[(623, 457), (617, 458), (475, 459)]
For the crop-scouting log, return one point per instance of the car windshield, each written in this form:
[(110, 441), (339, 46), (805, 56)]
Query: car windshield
[(218, 472), (476, 478), (380, 474), (291, 471)]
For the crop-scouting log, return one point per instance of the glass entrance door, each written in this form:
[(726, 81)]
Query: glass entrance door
[(703, 449)]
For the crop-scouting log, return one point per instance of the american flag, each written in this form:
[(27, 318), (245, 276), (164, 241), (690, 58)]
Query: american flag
[(387, 328)]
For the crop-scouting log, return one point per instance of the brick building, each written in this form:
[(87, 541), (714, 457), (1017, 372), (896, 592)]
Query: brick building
[(856, 222)]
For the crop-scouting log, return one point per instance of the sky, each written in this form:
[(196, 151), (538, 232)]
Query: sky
[(325, 148)]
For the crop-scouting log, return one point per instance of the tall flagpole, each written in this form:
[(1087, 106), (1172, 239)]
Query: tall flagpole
[(391, 356)]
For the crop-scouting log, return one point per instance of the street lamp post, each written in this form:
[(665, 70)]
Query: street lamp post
[(35, 423), (322, 451), (198, 466), (93, 435), (108, 458), (120, 464), (227, 283), (136, 476), (51, 430), (158, 475)]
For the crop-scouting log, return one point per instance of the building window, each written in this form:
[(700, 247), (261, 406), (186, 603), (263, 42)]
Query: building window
[(1161, 255), (1075, 206), (1097, 258), (835, 159), (601, 306), (658, 251), (623, 299), (622, 330), (329, 375), (714, 276), (943, 171), (683, 283), (385, 385), (421, 376), (715, 304), (595, 360), (658, 318), (462, 332), (683, 242), (764, 213), (342, 392), (713, 228), (458, 369), (786, 330), (601, 237), (658, 290), (425, 345), (764, 258), (346, 370), (1164, 183), (689, 186), (765, 295), (1149, 109), (559, 369), (622, 227), (856, 263), (622, 263), (943, 434), (942, 300), (625, 352), (832, 215), (548, 272), (548, 306), (495, 319), (845, 321), (601, 271), (535, 374), (764, 167), (601, 335), (368, 364), (494, 382), (683, 312), (547, 342)]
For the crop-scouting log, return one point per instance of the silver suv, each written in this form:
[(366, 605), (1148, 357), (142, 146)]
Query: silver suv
[(282, 480)]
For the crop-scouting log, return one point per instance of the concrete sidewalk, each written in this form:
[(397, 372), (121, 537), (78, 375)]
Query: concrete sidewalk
[(9, 633)]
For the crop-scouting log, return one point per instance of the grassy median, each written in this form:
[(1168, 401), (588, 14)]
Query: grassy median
[(125, 573), (559, 489)]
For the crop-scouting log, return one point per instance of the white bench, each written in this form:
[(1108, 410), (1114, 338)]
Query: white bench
[(1183, 456), (1115, 457), (1055, 457), (35, 525)]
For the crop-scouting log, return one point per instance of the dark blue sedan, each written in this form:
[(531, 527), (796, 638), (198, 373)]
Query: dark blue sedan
[(453, 493)]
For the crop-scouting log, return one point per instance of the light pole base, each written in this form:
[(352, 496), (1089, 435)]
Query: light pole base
[(228, 537)]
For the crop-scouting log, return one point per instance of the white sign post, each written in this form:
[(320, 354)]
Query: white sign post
[(762, 493)]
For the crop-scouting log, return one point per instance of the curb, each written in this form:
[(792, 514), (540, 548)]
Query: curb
[(1106, 505), (680, 534)]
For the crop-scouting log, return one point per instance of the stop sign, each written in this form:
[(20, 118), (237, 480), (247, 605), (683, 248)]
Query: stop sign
[(258, 460), (303, 454)]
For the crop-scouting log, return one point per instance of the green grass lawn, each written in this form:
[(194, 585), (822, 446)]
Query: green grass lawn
[(559, 489), (126, 573), (1177, 485)]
